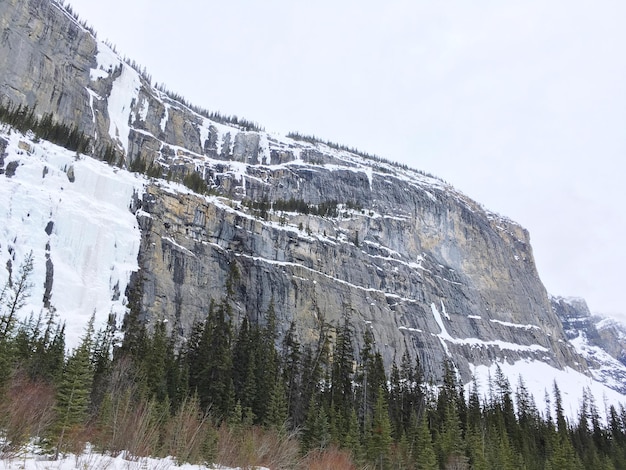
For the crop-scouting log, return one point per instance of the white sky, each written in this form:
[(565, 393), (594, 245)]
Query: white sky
[(519, 104)]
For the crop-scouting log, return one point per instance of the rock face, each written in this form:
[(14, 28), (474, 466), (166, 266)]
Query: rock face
[(319, 232), (600, 341)]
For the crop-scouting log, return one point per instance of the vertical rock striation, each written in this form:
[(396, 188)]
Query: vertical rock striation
[(319, 231)]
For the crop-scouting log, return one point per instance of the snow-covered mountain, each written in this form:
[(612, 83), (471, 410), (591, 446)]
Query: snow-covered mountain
[(601, 341), (317, 230)]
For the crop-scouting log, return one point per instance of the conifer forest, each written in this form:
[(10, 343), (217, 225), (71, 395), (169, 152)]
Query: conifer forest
[(237, 394)]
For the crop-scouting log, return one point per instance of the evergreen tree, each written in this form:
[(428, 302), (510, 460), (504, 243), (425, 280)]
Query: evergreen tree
[(341, 397), (379, 436), (396, 396), (48, 355), (155, 361), (504, 402), (267, 364), (563, 456), (475, 440), (73, 393), (13, 297), (561, 424), (291, 367), (276, 415), (243, 364), (16, 293), (425, 457), (412, 393), (210, 373), (316, 432), (351, 439), (315, 362)]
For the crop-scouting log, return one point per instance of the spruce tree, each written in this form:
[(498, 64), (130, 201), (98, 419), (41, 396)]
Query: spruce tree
[(341, 396), (155, 362), (563, 456), (210, 374), (13, 297), (266, 363), (73, 393), (316, 431), (276, 415), (425, 457), (352, 439), (379, 436), (48, 355), (291, 367)]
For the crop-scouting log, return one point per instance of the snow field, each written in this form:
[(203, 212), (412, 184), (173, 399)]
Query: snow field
[(29, 460), (94, 238), (539, 377)]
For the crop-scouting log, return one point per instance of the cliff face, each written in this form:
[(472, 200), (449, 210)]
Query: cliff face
[(600, 341), (423, 266), (444, 280)]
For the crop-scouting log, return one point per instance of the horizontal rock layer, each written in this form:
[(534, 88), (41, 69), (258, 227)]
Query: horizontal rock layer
[(422, 265)]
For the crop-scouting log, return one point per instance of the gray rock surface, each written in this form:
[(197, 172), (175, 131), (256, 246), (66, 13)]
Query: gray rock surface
[(600, 341), (3, 147), (422, 265)]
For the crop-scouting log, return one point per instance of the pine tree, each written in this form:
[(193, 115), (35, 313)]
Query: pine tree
[(16, 293), (48, 355), (563, 456), (13, 297), (379, 438), (291, 367), (412, 394), (396, 397), (450, 443), (243, 361), (341, 396), (425, 457), (351, 439), (210, 373), (73, 394), (316, 432), (276, 415), (561, 424), (476, 448), (267, 364), (155, 362)]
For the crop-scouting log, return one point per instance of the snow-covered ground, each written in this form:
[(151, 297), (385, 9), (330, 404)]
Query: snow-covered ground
[(84, 227), (29, 460)]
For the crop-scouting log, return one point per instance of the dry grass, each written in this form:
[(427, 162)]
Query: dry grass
[(255, 446), (188, 434), (330, 458)]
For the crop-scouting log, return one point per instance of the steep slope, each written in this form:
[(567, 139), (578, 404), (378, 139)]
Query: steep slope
[(601, 341), (317, 231), (72, 214)]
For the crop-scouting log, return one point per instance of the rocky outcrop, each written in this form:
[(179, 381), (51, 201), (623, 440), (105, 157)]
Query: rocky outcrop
[(600, 341), (3, 146), (46, 57), (445, 279), (319, 232)]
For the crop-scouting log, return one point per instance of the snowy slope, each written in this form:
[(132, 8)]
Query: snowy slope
[(85, 227), (539, 379)]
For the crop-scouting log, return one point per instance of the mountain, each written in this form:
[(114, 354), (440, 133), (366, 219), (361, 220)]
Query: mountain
[(601, 341), (226, 210)]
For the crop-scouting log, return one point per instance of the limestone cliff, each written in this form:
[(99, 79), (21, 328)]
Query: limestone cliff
[(320, 232)]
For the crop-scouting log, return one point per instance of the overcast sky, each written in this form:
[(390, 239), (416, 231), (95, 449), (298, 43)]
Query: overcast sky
[(519, 104)]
